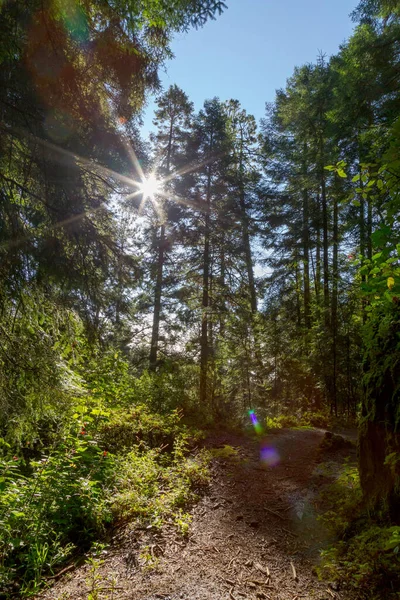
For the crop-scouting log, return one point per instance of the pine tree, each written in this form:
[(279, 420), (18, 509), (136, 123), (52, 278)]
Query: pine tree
[(171, 118)]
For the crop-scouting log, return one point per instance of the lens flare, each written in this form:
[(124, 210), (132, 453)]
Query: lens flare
[(257, 426), (269, 455)]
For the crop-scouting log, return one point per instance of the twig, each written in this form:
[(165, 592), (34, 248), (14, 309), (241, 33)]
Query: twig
[(274, 513), (293, 571), (62, 572), (264, 570), (231, 561), (231, 594)]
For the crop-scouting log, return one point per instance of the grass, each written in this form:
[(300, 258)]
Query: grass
[(133, 465)]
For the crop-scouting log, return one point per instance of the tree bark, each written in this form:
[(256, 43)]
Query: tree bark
[(246, 239), (318, 251), (157, 300), (325, 245), (298, 287), (155, 334), (306, 262), (204, 347), (335, 276)]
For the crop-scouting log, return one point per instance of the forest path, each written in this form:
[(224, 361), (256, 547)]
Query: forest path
[(254, 535)]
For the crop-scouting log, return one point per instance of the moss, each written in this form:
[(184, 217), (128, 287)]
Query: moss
[(226, 452), (379, 434)]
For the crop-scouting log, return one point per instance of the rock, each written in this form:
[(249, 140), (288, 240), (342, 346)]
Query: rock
[(335, 585), (254, 524), (332, 442)]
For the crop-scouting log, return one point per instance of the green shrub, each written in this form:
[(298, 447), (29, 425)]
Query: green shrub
[(226, 452), (153, 486), (369, 562), (127, 428), (366, 554), (61, 505), (62, 501), (343, 499), (281, 422), (305, 419), (316, 419)]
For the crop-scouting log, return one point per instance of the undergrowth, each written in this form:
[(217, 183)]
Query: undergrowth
[(304, 420), (366, 554), (110, 460)]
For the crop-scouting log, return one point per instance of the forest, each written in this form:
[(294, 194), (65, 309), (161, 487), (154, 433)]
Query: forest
[(168, 304)]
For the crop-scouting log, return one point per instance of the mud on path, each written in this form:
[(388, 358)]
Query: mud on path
[(254, 535)]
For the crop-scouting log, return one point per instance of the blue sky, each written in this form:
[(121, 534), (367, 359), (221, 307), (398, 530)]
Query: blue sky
[(252, 48)]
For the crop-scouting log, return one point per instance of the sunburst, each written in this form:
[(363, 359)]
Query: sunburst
[(150, 187)]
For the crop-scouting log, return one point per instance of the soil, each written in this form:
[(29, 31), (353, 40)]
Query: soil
[(254, 534)]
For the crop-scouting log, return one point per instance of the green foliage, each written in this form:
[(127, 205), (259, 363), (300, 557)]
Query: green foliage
[(344, 499), (226, 452), (60, 505), (366, 553), (304, 420), (153, 486), (103, 463), (140, 425), (39, 343), (368, 562), (280, 422)]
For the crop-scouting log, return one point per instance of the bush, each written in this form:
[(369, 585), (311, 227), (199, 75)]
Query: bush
[(316, 419), (127, 428), (153, 487), (281, 422), (61, 505), (63, 500), (369, 562), (304, 419), (366, 555)]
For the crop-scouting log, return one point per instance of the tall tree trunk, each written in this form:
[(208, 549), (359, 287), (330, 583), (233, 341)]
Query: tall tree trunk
[(325, 241), (335, 276), (298, 288), (157, 300), (318, 251), (306, 262), (246, 243), (369, 228), (362, 228), (159, 277), (204, 348), (249, 261), (118, 302), (222, 286)]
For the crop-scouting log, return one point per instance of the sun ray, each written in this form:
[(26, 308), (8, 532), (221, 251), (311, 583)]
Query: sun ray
[(192, 167), (180, 200), (133, 195), (132, 155), (149, 187), (159, 210), (85, 161)]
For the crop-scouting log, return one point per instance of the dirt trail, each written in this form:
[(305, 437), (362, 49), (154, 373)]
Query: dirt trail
[(254, 535)]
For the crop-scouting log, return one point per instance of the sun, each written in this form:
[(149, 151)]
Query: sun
[(150, 186)]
